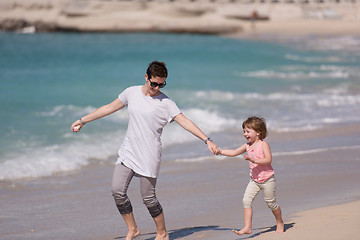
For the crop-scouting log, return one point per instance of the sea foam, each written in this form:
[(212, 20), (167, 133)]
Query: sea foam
[(48, 160), (85, 147)]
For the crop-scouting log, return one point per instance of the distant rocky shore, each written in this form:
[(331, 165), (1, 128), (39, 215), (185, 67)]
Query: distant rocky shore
[(23, 25), (26, 26)]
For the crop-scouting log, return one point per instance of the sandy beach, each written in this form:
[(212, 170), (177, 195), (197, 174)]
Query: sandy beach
[(201, 199)]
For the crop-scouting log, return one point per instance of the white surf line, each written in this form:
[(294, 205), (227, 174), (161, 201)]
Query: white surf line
[(317, 150)]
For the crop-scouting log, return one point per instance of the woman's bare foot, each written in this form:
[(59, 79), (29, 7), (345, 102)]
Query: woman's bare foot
[(132, 234), (280, 227), (162, 236), (245, 230)]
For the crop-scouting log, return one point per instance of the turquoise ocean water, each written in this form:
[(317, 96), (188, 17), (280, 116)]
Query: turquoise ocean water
[(50, 80)]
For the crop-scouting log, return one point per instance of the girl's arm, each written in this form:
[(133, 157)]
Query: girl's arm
[(103, 111), (267, 155), (189, 126), (233, 152)]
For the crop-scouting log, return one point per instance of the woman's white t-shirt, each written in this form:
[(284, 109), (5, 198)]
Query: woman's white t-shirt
[(141, 149)]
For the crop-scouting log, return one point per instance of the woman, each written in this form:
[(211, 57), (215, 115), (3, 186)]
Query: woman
[(140, 154)]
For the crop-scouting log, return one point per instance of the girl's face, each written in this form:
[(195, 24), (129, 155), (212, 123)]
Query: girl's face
[(251, 135)]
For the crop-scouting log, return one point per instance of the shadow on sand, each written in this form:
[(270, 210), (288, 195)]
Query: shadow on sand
[(183, 232), (263, 230)]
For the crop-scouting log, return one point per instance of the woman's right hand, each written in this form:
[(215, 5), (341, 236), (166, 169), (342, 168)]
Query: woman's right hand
[(76, 126)]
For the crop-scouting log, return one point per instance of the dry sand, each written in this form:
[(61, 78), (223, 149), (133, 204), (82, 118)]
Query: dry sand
[(331, 223)]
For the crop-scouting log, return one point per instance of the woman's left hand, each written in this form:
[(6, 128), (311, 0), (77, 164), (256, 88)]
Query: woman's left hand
[(213, 147)]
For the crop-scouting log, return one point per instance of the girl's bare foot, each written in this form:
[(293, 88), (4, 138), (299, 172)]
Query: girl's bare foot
[(162, 236), (132, 234), (245, 230), (280, 227)]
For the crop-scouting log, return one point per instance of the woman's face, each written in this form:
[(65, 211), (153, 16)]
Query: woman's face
[(154, 84)]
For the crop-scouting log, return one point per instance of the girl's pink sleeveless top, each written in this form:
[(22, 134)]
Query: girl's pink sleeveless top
[(259, 172)]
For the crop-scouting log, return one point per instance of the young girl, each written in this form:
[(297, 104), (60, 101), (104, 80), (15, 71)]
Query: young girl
[(261, 172)]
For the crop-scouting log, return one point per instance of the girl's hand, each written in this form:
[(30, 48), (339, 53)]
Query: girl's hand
[(218, 151), (249, 159)]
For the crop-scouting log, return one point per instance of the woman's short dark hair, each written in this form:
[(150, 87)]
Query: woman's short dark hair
[(157, 69), (258, 124)]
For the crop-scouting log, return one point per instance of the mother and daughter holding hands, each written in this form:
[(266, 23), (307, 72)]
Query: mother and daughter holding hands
[(140, 154)]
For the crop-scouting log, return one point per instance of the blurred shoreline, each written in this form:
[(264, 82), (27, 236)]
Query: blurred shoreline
[(204, 17)]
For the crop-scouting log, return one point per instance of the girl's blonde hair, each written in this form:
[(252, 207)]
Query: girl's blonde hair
[(258, 124)]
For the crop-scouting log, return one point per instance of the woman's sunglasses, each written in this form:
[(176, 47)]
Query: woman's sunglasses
[(155, 84)]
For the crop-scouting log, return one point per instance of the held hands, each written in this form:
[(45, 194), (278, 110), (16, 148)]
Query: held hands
[(218, 151), (213, 147)]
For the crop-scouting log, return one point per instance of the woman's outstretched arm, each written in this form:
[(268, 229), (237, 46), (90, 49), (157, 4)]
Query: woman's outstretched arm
[(189, 126), (103, 111)]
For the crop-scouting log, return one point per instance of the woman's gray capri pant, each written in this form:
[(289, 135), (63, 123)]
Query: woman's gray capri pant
[(121, 179)]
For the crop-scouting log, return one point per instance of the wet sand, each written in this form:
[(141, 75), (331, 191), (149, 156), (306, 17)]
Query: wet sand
[(201, 199)]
